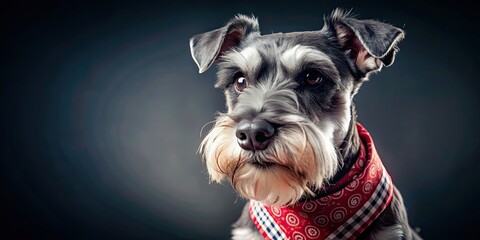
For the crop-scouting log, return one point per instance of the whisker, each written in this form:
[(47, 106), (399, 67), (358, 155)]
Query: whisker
[(201, 130), (237, 166)]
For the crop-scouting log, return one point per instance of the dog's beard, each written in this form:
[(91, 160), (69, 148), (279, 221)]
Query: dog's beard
[(299, 158)]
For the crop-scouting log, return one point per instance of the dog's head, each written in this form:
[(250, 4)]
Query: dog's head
[(289, 99)]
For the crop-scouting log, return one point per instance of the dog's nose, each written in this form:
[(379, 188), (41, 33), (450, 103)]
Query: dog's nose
[(254, 135)]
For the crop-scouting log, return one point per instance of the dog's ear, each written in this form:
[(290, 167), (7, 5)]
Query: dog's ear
[(368, 44), (208, 47)]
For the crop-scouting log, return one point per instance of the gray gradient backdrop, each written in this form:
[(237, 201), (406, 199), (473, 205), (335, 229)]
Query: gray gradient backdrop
[(102, 106)]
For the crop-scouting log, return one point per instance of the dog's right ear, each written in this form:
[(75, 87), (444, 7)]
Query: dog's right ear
[(208, 47)]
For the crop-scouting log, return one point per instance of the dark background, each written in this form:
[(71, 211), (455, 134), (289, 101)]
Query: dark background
[(102, 106)]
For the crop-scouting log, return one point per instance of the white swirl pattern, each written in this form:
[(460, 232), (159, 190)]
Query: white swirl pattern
[(321, 221), (338, 214), (354, 200), (312, 232), (298, 236), (277, 211), (309, 206), (292, 220)]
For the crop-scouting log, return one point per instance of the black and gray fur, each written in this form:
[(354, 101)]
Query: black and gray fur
[(344, 52)]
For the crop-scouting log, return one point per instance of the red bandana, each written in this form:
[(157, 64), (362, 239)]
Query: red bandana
[(359, 198)]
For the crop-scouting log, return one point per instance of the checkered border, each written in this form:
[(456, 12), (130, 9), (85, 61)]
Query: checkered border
[(369, 211), (266, 222)]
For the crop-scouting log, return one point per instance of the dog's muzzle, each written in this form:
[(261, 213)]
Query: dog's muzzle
[(254, 135)]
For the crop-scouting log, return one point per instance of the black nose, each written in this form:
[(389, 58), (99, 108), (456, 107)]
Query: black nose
[(254, 135)]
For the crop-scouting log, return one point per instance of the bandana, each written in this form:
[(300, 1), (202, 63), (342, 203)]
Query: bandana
[(356, 201)]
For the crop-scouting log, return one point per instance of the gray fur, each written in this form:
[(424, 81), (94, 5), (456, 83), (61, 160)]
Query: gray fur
[(277, 92)]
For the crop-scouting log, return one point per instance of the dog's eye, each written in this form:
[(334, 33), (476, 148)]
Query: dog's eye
[(312, 77), (240, 83)]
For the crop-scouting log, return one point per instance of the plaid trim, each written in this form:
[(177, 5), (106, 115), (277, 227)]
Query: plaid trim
[(265, 221), (369, 211)]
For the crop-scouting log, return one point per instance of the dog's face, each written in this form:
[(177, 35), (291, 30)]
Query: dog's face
[(289, 100)]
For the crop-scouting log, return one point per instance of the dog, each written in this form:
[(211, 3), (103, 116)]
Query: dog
[(289, 141)]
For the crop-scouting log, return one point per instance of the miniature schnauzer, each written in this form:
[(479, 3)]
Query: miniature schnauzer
[(290, 142)]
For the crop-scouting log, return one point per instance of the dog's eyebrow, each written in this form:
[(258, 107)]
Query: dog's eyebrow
[(248, 59), (295, 58)]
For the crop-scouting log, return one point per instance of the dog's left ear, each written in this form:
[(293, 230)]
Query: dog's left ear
[(208, 47), (368, 44)]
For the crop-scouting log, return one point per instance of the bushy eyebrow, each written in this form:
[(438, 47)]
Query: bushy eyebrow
[(299, 58), (247, 61)]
